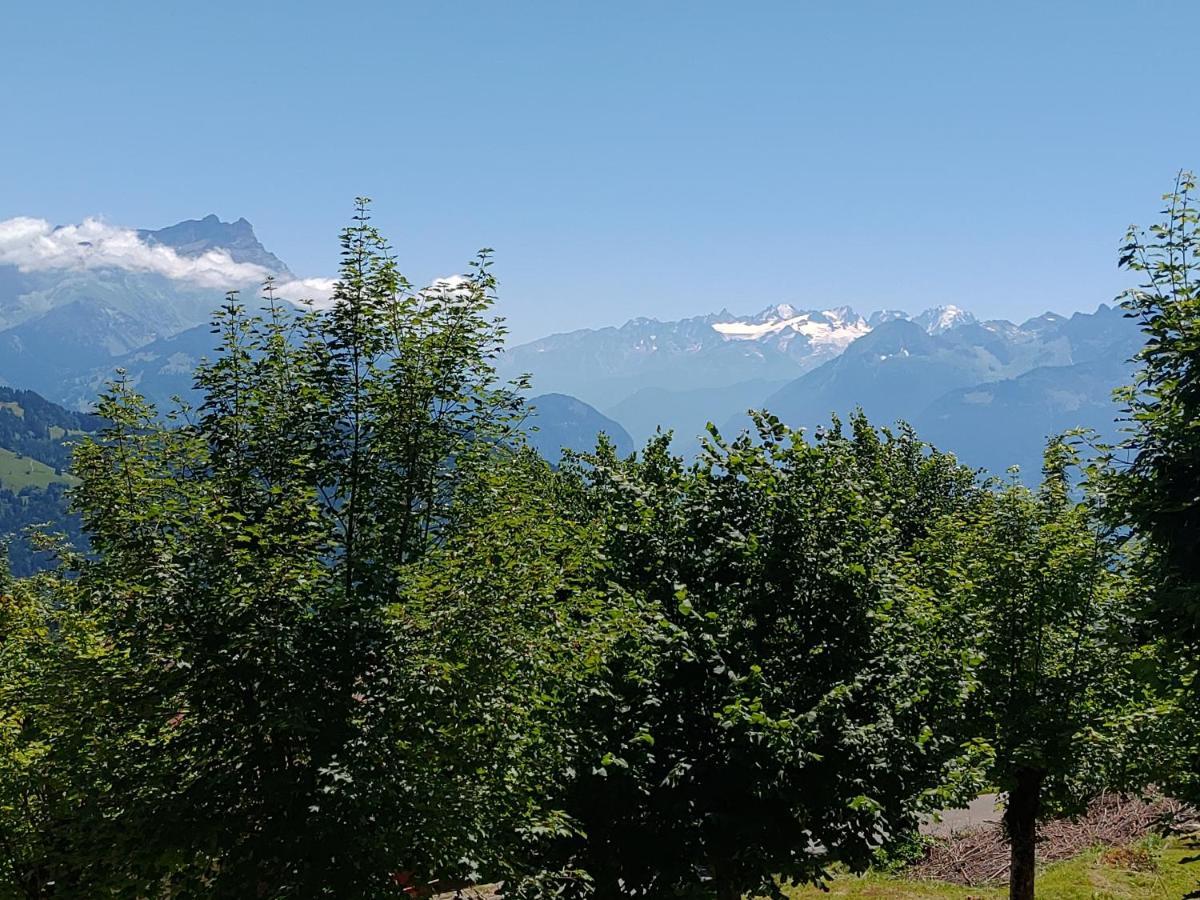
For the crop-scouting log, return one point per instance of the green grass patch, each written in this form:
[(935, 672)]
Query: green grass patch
[(1174, 871), (20, 472)]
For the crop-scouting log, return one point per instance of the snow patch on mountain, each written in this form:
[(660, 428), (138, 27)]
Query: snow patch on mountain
[(943, 318), (830, 329)]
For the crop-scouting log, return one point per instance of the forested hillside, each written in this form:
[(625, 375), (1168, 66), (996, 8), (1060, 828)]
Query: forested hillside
[(36, 440)]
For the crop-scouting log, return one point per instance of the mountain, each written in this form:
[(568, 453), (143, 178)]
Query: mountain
[(893, 372), (159, 304), (805, 365), (606, 365), (30, 425), (195, 237), (160, 370), (688, 412), (940, 319), (557, 422), (46, 352), (991, 392), (1000, 424), (77, 299), (77, 302)]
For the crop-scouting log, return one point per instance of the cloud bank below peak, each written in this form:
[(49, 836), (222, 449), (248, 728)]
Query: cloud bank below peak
[(35, 245)]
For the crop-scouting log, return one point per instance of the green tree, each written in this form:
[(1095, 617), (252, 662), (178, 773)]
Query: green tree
[(1151, 476), (249, 556), (68, 712), (783, 708), (508, 629), (1040, 593), (1156, 483)]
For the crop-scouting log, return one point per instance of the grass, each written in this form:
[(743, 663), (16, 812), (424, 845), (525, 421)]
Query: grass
[(20, 472), (1091, 876)]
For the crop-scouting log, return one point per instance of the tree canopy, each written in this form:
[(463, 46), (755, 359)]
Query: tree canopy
[(341, 632)]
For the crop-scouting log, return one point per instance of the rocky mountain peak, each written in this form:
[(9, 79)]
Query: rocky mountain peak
[(195, 237)]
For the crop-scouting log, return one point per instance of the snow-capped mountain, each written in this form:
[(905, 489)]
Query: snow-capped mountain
[(805, 363), (77, 297), (604, 366), (942, 318), (826, 331), (77, 301)]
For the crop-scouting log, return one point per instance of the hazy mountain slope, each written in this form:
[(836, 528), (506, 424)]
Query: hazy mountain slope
[(558, 421), (1000, 424), (687, 412), (160, 369), (604, 366), (44, 353), (893, 372), (160, 305)]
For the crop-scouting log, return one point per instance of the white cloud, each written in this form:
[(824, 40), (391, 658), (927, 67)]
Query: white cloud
[(318, 290), (449, 283), (34, 245)]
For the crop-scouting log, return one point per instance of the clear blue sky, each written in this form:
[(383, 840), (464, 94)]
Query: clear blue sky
[(626, 158)]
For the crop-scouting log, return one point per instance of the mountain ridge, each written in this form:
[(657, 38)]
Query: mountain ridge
[(63, 332), (195, 237)]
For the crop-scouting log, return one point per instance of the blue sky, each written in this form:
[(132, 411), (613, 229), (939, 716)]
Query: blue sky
[(651, 158)]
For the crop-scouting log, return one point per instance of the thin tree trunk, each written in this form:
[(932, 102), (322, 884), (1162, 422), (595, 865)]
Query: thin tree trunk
[(724, 881), (727, 890), (1020, 824)]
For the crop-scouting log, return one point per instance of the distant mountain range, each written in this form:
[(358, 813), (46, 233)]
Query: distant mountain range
[(991, 391), (77, 303)]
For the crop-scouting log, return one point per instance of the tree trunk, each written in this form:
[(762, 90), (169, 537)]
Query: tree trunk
[(727, 889), (1020, 824), (725, 882)]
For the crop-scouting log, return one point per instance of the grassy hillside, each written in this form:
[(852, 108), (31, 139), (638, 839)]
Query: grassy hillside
[(18, 472), (33, 426)]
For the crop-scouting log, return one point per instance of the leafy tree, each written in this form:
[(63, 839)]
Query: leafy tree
[(1041, 594), (249, 556), (783, 709), (67, 708), (1152, 475), (508, 629), (1157, 488), (23, 513)]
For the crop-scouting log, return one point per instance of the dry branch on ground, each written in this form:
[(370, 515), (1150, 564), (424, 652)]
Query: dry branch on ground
[(980, 855)]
